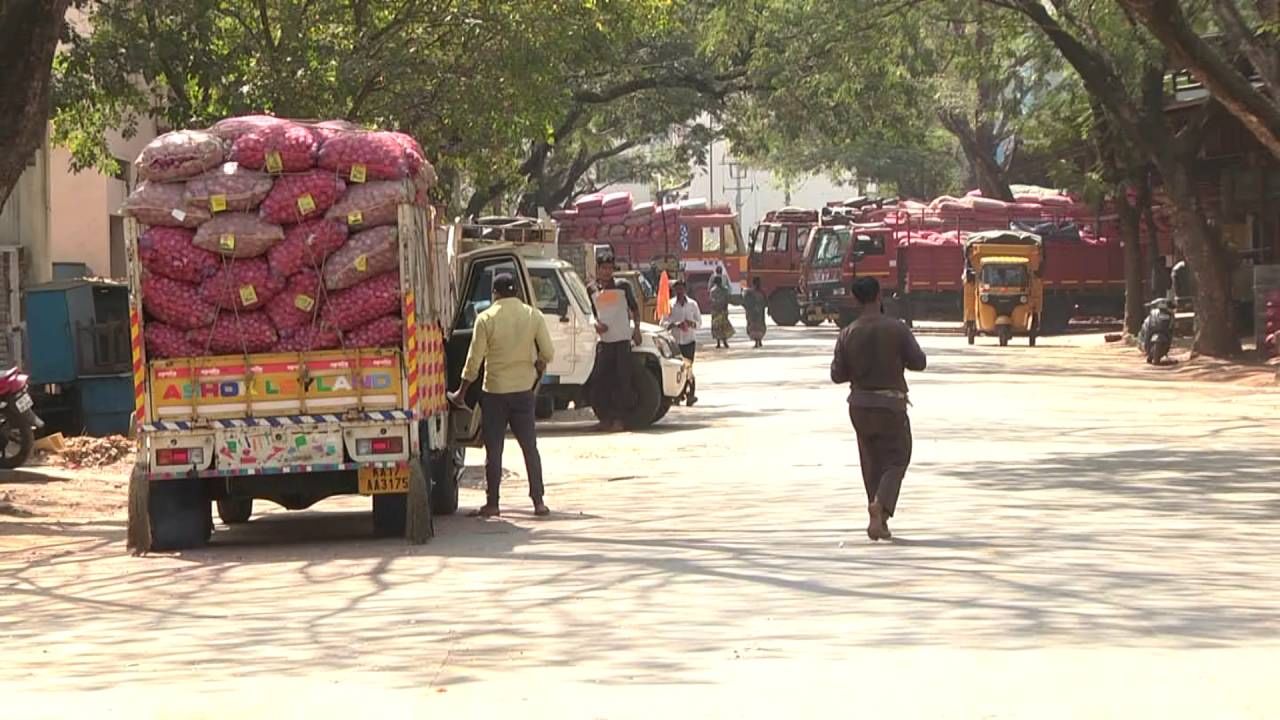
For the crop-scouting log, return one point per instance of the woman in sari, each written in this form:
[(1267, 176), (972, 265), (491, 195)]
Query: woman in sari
[(755, 303), (721, 328)]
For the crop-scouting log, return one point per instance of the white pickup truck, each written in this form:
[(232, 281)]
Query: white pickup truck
[(560, 293)]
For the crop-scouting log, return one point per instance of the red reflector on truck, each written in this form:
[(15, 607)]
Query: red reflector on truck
[(380, 446), (180, 456)]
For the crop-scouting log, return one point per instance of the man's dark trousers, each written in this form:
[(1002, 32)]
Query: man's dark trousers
[(884, 450), (498, 412), (612, 395)]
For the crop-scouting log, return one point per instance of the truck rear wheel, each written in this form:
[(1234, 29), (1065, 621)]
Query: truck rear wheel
[(235, 510), (446, 472), (971, 331), (1006, 333), (648, 391), (784, 308), (180, 514), (388, 514), (813, 320)]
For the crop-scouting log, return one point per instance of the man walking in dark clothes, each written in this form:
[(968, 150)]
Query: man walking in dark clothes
[(613, 395), (511, 341), (871, 355)]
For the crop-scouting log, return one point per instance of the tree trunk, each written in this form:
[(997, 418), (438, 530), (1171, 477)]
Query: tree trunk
[(1210, 262), (29, 31), (1130, 235), (988, 173)]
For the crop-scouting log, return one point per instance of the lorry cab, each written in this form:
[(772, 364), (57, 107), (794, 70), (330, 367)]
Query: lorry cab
[(711, 238), (776, 257), (1004, 291), (835, 255)]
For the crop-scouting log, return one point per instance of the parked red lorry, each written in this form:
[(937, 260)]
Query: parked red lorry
[(919, 264), (699, 240)]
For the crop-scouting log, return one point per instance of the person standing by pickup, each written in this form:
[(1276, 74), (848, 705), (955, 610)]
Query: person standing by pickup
[(511, 341), (683, 321), (617, 314), (871, 355)]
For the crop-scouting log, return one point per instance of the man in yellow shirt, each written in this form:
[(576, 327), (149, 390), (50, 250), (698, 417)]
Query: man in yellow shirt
[(512, 342)]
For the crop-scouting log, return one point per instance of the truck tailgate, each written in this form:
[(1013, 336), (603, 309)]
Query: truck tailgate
[(318, 383)]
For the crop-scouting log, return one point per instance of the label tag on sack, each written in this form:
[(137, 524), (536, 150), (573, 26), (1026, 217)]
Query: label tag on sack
[(306, 204), (227, 241), (359, 173), (362, 263), (218, 203), (274, 162), (304, 302), (355, 217), (248, 296), (179, 215)]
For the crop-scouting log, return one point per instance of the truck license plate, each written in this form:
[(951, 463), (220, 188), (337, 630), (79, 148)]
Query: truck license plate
[(382, 481), (22, 402)]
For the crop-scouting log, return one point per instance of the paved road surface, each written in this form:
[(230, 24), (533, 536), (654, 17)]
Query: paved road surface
[(1080, 536)]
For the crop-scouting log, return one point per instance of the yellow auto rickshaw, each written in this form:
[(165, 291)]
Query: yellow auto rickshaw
[(1003, 286)]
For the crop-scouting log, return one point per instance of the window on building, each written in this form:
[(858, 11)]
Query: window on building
[(119, 265)]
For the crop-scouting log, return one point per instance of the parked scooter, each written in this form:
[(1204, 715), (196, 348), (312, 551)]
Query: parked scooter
[(18, 422), (1156, 336)]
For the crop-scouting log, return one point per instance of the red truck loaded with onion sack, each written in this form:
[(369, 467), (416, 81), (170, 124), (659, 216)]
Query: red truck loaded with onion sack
[(291, 300)]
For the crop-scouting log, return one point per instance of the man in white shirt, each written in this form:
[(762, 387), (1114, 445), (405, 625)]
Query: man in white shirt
[(684, 321)]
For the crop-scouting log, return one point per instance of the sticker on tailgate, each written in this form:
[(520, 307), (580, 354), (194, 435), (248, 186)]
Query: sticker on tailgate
[(276, 447)]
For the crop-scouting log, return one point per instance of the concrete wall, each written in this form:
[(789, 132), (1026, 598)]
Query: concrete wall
[(61, 216)]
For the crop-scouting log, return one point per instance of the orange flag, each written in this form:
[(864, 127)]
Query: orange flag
[(664, 297)]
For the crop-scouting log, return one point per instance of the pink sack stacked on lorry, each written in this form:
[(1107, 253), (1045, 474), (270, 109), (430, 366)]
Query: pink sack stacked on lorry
[(307, 246), (384, 332), (299, 304), (179, 155), (365, 255), (590, 205), (171, 252), (364, 156), (298, 198), (281, 147), (241, 284), (165, 341), (175, 303), (414, 158), (372, 204), (163, 205), (349, 309), (233, 333), (306, 339), (230, 129), (238, 235), (228, 188), (329, 129)]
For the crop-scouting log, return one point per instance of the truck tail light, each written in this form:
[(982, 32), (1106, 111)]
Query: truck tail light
[(180, 456), (380, 446)]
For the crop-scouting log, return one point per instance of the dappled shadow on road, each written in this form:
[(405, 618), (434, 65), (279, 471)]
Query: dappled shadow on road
[(724, 542), (1024, 553)]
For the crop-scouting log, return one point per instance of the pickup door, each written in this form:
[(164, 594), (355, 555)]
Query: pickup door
[(476, 271), (563, 323)]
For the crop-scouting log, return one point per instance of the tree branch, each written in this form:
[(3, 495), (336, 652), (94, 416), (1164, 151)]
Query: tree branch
[(1165, 20)]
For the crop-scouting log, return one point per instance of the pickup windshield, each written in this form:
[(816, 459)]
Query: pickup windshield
[(830, 246)]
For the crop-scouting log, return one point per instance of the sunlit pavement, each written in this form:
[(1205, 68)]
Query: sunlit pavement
[(1079, 536)]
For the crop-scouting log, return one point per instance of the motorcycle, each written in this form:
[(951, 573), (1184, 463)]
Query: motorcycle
[(18, 422), (1156, 336)]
